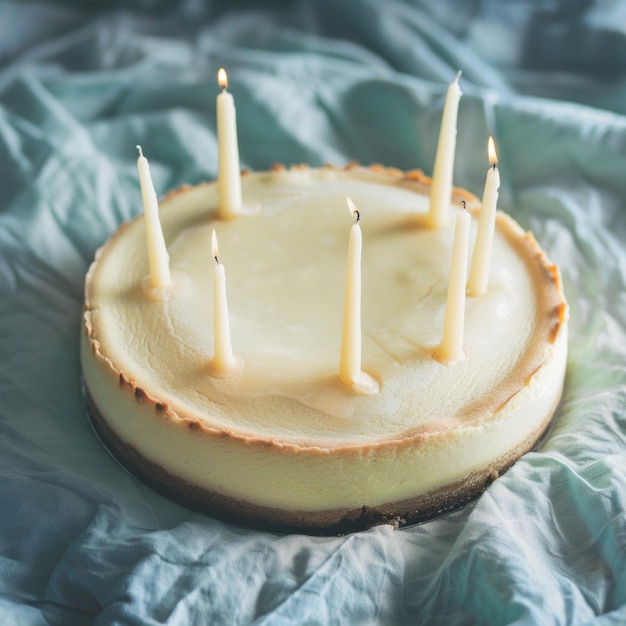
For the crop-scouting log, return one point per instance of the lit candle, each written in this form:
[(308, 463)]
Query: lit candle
[(158, 258), (479, 270), (224, 363), (441, 190), (451, 348), (228, 172), (350, 372)]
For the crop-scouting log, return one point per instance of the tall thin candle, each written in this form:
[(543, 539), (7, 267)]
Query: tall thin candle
[(481, 258), (224, 364), (228, 170), (158, 259), (441, 190), (350, 372), (451, 348)]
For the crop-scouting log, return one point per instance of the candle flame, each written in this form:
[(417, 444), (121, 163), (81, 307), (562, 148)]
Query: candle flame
[(491, 150), (214, 248), (222, 78), (352, 208)]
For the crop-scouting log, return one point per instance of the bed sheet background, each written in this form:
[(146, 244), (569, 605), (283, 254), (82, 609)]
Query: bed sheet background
[(81, 83)]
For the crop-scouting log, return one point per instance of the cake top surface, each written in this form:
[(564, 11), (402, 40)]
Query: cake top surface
[(285, 261)]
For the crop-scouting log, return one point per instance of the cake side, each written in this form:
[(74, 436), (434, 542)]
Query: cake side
[(420, 508), (296, 477)]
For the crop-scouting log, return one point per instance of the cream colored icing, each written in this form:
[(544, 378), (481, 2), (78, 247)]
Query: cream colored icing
[(285, 432)]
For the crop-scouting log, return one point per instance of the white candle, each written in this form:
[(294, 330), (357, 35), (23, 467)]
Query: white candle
[(224, 363), (350, 372), (158, 258), (451, 348), (228, 171), (350, 359), (481, 258), (441, 190)]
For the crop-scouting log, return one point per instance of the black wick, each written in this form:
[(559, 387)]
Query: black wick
[(358, 216), (216, 259), (463, 203)]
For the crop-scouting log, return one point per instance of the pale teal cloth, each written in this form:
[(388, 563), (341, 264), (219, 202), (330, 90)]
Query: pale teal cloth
[(81, 83)]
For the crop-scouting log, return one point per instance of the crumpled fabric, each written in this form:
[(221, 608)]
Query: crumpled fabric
[(81, 83)]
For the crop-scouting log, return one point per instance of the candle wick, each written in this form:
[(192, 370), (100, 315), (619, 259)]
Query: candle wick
[(140, 150), (495, 165), (464, 204), (216, 259), (358, 215), (458, 76)]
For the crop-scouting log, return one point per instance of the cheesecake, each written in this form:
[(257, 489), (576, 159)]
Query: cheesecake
[(283, 443)]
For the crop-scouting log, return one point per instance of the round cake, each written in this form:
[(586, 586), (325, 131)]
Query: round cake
[(284, 443)]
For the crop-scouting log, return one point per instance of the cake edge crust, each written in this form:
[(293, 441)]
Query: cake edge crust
[(398, 514)]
